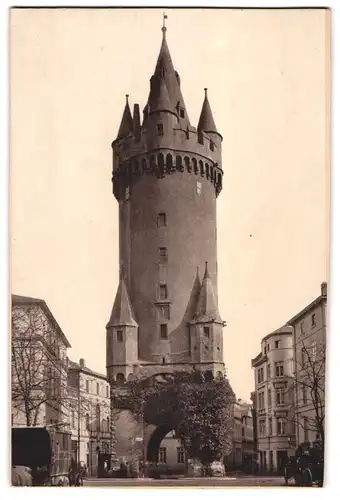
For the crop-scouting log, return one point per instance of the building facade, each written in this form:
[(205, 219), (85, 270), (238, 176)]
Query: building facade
[(167, 175), (171, 453), (38, 365), (89, 403), (273, 370), (309, 345), (242, 451)]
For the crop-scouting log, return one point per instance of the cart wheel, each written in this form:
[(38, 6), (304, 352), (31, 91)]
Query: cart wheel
[(307, 478)]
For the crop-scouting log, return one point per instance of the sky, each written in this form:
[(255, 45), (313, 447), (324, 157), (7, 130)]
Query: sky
[(266, 73)]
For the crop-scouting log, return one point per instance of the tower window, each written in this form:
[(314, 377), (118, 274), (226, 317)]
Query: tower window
[(161, 220), (206, 330), (160, 129), (212, 146), (198, 188), (163, 255), (163, 292), (164, 331), (200, 138), (127, 193), (181, 113), (97, 388), (119, 335), (163, 312)]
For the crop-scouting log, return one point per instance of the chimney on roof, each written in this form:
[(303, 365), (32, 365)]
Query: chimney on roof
[(82, 363), (324, 289)]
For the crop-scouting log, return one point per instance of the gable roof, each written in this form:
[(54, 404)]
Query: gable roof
[(18, 300)]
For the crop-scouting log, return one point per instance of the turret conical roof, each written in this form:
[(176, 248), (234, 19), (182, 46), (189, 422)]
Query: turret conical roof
[(161, 100), (207, 309), (206, 122), (122, 314), (192, 304), (126, 125)]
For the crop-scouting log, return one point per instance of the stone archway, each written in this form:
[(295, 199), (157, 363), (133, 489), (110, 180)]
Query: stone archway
[(155, 440)]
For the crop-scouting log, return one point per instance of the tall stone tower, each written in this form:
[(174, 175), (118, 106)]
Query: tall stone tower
[(167, 175)]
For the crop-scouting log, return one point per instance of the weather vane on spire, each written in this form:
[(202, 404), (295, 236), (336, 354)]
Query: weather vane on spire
[(164, 27)]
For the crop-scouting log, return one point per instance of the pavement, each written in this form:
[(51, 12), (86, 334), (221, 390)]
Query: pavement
[(202, 482)]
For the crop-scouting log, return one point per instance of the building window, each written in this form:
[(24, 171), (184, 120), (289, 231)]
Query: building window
[(281, 427), (277, 344), (180, 455), (87, 422), (304, 395), (97, 388), (268, 372), (108, 424), (262, 427), (98, 417), (305, 429), (181, 112), (107, 391), (87, 386), (163, 312), (162, 455), (212, 145), (268, 347), (269, 397), (163, 255), (163, 292), (73, 424), (164, 331), (161, 220), (119, 335), (270, 427), (200, 138), (261, 400), (301, 327), (127, 193), (303, 357), (198, 188), (260, 376), (313, 320), (160, 129), (279, 369), (280, 397), (206, 330)]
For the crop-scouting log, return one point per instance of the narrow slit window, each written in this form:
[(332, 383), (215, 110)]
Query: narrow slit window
[(163, 292), (160, 129), (119, 335), (164, 331), (206, 331), (161, 220), (163, 255)]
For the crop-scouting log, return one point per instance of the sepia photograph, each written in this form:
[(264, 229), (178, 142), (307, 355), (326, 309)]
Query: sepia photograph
[(169, 246)]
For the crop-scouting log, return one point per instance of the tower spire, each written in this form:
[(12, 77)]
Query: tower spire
[(206, 122), (164, 27), (126, 125)]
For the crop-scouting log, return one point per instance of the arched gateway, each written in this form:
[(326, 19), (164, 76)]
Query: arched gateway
[(167, 175)]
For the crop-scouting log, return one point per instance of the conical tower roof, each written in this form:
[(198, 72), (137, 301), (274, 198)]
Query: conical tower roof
[(122, 314), (206, 122), (126, 125), (165, 74), (192, 304), (207, 309), (161, 102)]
